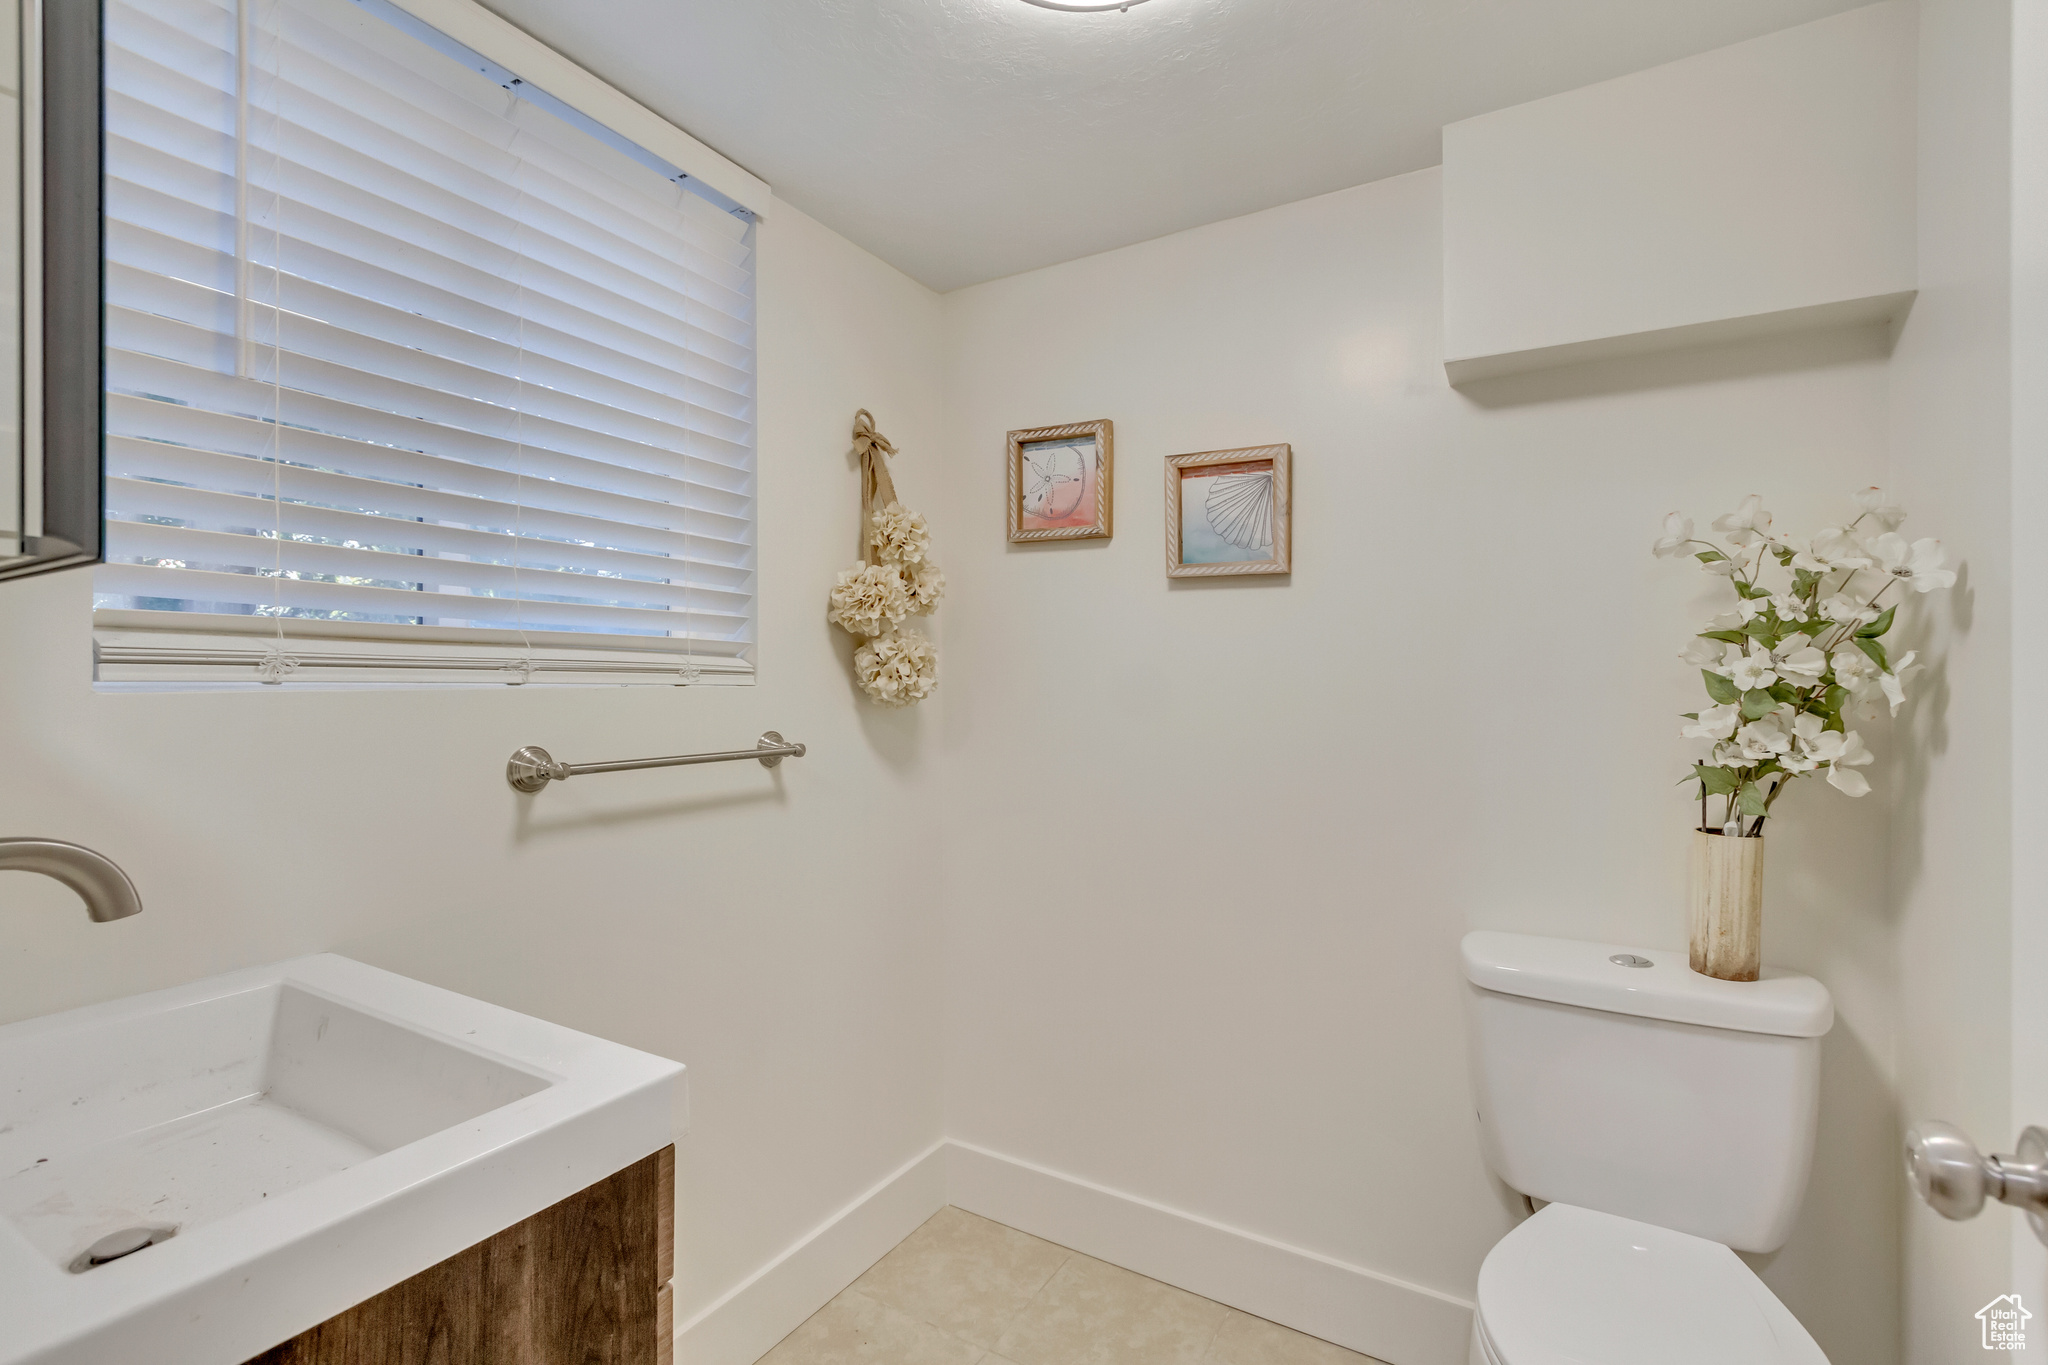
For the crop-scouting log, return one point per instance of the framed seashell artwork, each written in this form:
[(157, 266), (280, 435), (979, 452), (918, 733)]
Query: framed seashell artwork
[(1229, 512), (1060, 482)]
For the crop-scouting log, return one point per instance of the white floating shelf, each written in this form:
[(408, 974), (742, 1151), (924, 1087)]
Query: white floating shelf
[(1761, 188)]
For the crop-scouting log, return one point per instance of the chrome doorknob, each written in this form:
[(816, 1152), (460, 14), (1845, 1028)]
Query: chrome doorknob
[(1955, 1179), (1948, 1172)]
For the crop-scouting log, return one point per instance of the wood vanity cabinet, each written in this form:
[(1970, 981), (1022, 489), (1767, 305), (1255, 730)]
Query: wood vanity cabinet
[(585, 1282)]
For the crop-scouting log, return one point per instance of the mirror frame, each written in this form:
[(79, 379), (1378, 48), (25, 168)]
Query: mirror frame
[(63, 360)]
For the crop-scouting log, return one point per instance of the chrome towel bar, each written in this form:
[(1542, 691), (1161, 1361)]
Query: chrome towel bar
[(531, 768)]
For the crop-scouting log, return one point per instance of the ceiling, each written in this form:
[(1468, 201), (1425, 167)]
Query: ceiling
[(962, 140)]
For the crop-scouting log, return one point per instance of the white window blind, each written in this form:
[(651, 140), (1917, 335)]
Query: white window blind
[(412, 373)]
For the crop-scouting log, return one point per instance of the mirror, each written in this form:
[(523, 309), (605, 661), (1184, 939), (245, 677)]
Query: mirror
[(51, 384)]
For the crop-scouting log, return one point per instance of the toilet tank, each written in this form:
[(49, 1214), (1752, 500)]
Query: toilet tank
[(1647, 1091)]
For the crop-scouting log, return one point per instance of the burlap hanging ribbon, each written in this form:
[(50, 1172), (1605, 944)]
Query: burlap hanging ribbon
[(877, 489)]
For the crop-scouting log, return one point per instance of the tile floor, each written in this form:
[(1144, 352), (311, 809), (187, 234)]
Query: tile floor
[(962, 1290)]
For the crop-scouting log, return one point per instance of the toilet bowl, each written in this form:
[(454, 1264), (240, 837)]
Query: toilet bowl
[(1668, 1118), (1571, 1286)]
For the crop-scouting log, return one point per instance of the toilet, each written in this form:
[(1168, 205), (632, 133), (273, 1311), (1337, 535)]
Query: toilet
[(1667, 1119)]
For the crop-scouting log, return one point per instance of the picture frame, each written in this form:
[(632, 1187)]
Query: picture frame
[(1062, 482), (1230, 512)]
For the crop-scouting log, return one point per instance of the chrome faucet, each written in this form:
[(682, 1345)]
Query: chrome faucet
[(105, 888)]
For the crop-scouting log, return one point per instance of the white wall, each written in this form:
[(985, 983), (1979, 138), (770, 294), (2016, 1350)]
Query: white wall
[(743, 923), (1210, 845)]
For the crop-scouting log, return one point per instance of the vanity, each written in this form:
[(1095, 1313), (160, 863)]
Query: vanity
[(319, 1161), (586, 1279)]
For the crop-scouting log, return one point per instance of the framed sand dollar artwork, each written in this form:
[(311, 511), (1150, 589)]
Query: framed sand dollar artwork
[(1229, 512), (1060, 482)]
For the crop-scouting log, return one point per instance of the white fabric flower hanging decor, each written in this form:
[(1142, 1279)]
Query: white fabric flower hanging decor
[(894, 578)]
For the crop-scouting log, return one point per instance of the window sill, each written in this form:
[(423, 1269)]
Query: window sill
[(141, 651)]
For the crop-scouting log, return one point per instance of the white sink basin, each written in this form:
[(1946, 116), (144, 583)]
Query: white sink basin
[(300, 1136)]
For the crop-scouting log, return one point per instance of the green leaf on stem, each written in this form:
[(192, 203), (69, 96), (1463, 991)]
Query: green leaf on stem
[(1749, 591), (1803, 581), (1757, 703), (1784, 691), (1880, 625), (1759, 628), (1728, 637), (1720, 688), (1751, 801), (1690, 715), (1875, 651), (1709, 556), (1717, 781), (1833, 700)]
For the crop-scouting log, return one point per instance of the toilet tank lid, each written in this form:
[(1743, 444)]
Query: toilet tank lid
[(1571, 972)]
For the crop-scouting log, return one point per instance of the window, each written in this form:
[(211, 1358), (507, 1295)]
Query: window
[(413, 373)]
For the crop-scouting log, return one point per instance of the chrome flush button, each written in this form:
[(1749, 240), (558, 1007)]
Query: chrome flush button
[(1630, 960)]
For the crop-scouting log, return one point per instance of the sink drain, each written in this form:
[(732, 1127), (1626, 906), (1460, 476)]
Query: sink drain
[(115, 1245)]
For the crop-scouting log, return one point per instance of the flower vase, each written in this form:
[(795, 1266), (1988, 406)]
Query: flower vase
[(1727, 905)]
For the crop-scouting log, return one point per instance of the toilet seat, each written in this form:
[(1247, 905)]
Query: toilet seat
[(1574, 1287)]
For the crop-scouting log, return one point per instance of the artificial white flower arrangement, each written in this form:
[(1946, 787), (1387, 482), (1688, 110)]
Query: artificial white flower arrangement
[(1797, 659)]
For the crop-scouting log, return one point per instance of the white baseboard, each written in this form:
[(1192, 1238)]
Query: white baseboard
[(1399, 1322), (740, 1327), (1377, 1314)]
